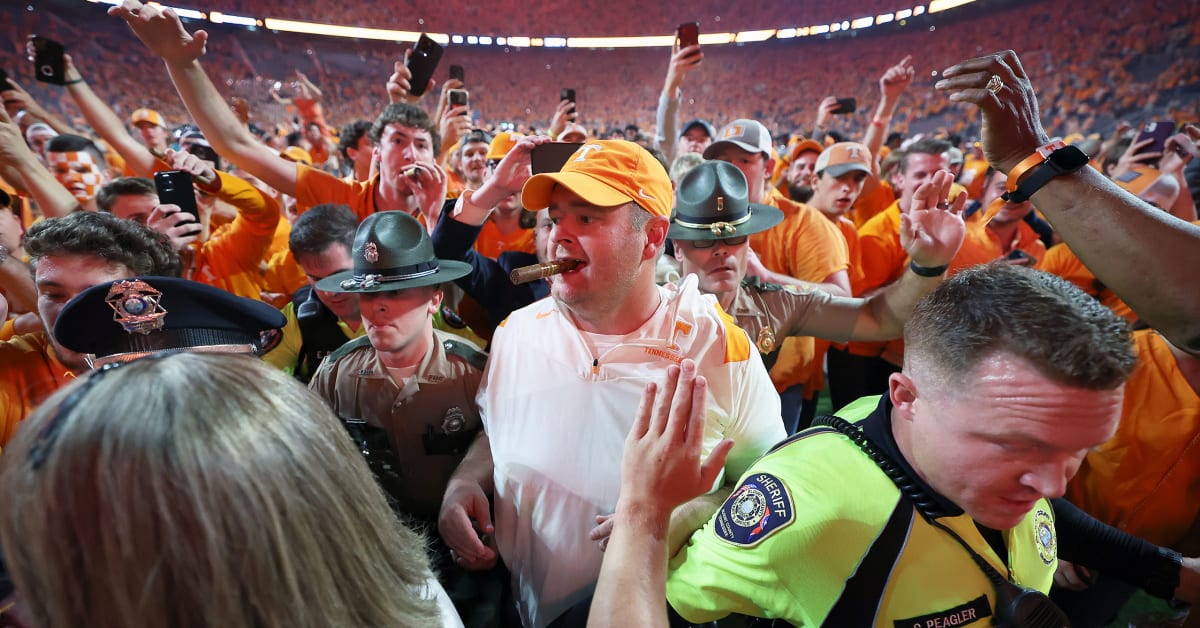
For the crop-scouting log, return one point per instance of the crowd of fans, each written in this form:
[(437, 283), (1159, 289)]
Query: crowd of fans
[(365, 241), (1135, 65)]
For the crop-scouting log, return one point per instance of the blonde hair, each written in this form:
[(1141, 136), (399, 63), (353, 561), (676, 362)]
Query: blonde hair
[(202, 490)]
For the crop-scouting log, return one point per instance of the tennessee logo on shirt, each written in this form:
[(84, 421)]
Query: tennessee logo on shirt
[(758, 508)]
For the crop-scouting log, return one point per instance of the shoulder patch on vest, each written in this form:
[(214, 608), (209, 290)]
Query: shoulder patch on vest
[(1047, 542), (758, 508), (357, 343), (473, 356), (737, 343)]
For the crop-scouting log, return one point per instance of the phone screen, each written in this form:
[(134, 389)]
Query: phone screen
[(48, 63), (459, 98), (688, 34), (1157, 130), (846, 105), (551, 156)]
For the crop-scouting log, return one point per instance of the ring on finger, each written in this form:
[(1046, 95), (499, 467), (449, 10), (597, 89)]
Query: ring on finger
[(994, 84), (943, 205)]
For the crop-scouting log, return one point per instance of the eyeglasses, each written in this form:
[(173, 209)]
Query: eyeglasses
[(708, 244)]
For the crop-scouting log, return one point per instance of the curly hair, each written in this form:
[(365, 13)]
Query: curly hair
[(406, 115), (136, 247)]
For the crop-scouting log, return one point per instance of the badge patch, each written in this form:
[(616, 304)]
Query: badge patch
[(960, 615), (1047, 542), (758, 508)]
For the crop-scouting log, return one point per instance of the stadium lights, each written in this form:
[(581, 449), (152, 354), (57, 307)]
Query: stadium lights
[(712, 38), (819, 29), (656, 41), (521, 42), (863, 22), (357, 32), (785, 33), (918, 10), (555, 42), (903, 14), (884, 19), (216, 17), (750, 36)]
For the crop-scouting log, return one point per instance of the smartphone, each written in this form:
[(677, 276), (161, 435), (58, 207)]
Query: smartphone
[(48, 63), (551, 156), (456, 72), (422, 62), (846, 105), (175, 188), (567, 94), (688, 34), (1157, 130), (459, 98), (4, 81)]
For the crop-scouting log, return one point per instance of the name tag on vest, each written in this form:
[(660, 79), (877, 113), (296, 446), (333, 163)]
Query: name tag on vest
[(962, 615)]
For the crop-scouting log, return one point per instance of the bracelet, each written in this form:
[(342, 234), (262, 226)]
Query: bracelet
[(928, 271), (1036, 158), (879, 123), (78, 80)]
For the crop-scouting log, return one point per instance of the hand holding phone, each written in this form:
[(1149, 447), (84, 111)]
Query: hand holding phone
[(846, 105), (49, 66), (421, 64), (459, 98), (551, 156), (1158, 131), (175, 188), (567, 94)]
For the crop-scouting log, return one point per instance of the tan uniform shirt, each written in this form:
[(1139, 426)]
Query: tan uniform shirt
[(431, 419), (769, 313)]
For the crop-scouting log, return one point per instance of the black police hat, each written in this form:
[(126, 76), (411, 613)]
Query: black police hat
[(712, 202), (392, 251), (128, 318)]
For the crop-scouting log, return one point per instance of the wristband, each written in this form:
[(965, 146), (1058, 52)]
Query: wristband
[(1164, 578), (1039, 156), (878, 122), (1062, 161), (928, 271)]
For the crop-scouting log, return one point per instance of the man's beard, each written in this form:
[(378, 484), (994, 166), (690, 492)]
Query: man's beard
[(800, 193)]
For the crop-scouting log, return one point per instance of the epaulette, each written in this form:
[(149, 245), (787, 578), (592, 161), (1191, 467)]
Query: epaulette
[(756, 284), (357, 343), (473, 356)]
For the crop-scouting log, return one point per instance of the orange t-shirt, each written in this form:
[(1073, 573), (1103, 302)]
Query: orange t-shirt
[(491, 243), (232, 257), (872, 202), (1146, 479), (29, 373), (1061, 260)]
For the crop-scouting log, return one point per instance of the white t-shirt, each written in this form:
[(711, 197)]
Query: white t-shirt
[(557, 411)]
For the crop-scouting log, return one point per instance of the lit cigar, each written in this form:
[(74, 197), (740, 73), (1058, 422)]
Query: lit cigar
[(412, 172), (526, 274)]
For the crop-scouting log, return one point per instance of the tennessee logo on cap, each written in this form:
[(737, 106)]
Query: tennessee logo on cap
[(585, 150), (731, 131)]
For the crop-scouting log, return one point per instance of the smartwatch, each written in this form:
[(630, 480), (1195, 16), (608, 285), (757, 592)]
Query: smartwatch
[(1056, 158)]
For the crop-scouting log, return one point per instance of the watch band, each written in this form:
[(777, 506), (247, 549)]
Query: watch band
[(928, 271), (1065, 160), (1036, 158)]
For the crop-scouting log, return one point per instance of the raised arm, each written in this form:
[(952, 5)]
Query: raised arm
[(54, 199), (33, 108), (891, 86), (162, 32), (1147, 257), (106, 123), (666, 132)]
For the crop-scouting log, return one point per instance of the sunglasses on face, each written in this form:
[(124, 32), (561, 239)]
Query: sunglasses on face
[(708, 244)]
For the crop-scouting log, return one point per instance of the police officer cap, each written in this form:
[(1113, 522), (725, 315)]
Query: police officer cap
[(128, 318), (392, 251), (712, 202)]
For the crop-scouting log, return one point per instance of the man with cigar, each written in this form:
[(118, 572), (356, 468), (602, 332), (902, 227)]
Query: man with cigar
[(405, 139), (566, 374)]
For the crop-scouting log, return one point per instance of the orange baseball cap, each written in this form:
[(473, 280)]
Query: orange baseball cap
[(502, 143), (296, 153), (844, 157), (804, 146), (147, 115), (606, 173)]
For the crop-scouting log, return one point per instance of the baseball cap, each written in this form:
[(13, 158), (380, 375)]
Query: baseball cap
[(296, 153), (844, 157), (954, 156), (804, 146), (703, 124), (502, 144), (147, 115), (128, 318), (606, 173), (573, 129), (475, 135), (748, 135)]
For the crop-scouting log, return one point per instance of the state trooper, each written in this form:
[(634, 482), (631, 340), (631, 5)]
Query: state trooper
[(711, 225), (405, 390)]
